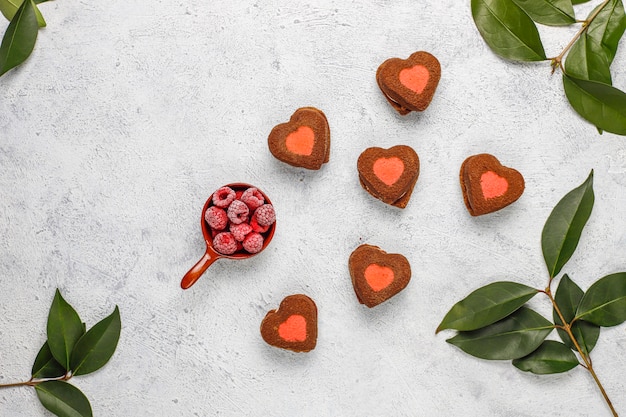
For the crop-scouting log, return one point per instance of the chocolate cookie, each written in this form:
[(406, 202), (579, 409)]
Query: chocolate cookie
[(293, 326), (304, 141), (487, 185), (377, 275), (409, 84), (389, 174)]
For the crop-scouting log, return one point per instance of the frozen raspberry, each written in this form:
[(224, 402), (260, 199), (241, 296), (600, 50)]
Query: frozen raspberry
[(225, 243), (223, 197), (240, 230), (238, 212), (265, 215), (216, 218), (253, 198), (253, 243), (256, 226)]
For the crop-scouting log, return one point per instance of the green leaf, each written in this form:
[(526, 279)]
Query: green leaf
[(487, 305), (565, 224), (96, 347), (46, 366), (63, 399), (513, 337), (584, 63), (579, 1), (10, 7), (64, 329), (549, 12), (604, 303), (567, 297), (607, 29), (550, 358), (508, 31), (599, 103), (19, 39)]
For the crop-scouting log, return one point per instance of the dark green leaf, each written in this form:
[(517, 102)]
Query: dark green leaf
[(549, 12), (64, 329), (565, 224), (9, 8), (607, 29), (19, 39), (550, 358), (508, 31), (96, 347), (567, 297), (599, 103), (63, 399), (579, 1), (604, 303), (46, 366), (487, 305), (513, 337), (584, 63)]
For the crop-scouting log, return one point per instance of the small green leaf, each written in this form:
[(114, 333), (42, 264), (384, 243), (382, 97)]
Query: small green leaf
[(96, 347), (487, 305), (64, 329), (508, 31), (584, 63), (549, 12), (46, 366), (63, 399), (607, 29), (10, 7), (604, 303), (599, 103), (550, 358), (567, 297), (565, 224), (513, 337), (19, 39)]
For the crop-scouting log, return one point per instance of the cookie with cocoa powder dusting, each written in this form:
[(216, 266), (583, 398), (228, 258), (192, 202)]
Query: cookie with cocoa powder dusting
[(409, 84), (303, 141), (293, 326), (487, 185)]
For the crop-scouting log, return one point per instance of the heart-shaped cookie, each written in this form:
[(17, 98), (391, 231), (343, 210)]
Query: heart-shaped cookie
[(487, 185), (389, 174), (304, 141), (293, 326), (377, 275), (409, 84)]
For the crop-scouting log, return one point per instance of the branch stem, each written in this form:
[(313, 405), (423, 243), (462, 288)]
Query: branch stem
[(587, 365), (557, 61), (34, 382)]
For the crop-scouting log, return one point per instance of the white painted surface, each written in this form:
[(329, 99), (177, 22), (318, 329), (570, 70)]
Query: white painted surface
[(129, 114)]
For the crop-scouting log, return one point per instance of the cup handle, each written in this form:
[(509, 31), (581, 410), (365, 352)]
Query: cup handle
[(198, 269)]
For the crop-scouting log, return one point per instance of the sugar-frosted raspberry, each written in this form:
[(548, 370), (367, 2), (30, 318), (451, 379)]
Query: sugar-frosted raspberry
[(240, 230), (253, 243), (253, 198), (238, 212), (216, 218), (223, 197), (265, 215), (225, 243), (256, 226)]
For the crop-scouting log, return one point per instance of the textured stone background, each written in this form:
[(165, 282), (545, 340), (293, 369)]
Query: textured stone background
[(130, 113)]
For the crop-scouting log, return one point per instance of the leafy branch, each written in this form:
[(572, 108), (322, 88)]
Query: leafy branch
[(494, 323), (509, 29), (21, 34), (70, 350)]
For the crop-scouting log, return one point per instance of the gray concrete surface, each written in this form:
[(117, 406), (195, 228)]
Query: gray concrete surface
[(129, 114)]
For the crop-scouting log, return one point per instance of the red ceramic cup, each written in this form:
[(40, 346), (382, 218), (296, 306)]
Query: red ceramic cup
[(211, 255)]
